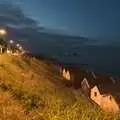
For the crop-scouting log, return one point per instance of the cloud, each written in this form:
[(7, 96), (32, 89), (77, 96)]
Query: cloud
[(11, 13), (21, 27)]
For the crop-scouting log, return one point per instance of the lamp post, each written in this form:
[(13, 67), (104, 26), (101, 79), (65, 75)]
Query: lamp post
[(2, 34), (11, 45)]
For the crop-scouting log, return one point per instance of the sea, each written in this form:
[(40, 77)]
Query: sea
[(100, 59)]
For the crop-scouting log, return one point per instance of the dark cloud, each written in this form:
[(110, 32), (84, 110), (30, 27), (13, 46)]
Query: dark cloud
[(12, 14), (21, 27)]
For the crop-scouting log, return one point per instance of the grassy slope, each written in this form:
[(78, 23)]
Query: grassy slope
[(31, 90)]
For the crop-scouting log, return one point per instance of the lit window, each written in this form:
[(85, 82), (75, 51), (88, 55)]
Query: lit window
[(110, 97), (95, 94)]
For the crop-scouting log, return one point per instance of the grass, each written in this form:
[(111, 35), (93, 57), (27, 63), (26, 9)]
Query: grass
[(30, 89)]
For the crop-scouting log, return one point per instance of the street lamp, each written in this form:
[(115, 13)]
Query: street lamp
[(20, 48), (3, 32), (11, 46)]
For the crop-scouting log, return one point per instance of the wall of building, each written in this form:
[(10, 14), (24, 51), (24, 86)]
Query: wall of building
[(106, 102), (85, 87), (66, 74), (95, 95)]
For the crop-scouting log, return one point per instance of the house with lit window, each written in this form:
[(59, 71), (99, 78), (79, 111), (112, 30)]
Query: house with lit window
[(103, 91), (72, 75)]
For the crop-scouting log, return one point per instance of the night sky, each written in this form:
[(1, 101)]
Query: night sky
[(98, 19), (74, 31)]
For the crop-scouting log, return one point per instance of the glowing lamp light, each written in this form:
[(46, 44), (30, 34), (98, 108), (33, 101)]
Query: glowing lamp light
[(18, 45), (2, 32), (11, 41)]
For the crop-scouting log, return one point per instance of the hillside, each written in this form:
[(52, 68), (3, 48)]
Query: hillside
[(31, 89)]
